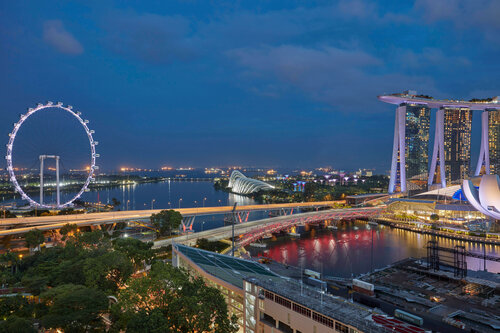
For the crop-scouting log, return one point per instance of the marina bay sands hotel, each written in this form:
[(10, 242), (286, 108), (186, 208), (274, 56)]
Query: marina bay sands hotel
[(451, 155)]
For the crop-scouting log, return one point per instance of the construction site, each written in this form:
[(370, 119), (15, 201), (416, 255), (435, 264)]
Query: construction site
[(436, 290)]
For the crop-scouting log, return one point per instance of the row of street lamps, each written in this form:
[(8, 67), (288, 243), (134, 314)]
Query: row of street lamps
[(170, 205)]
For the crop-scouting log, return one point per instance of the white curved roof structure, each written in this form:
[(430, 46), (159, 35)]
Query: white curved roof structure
[(241, 184), (487, 198)]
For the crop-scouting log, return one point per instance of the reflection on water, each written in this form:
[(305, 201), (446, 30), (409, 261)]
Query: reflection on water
[(347, 250), (164, 195)]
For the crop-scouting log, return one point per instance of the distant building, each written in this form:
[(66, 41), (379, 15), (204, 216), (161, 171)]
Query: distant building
[(457, 143), (494, 140), (241, 184), (411, 144), (418, 119), (451, 156), (486, 199)]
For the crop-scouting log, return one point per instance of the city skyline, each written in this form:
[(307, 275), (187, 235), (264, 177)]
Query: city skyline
[(205, 87)]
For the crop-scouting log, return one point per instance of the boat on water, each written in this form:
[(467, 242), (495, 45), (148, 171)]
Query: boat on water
[(332, 227), (294, 234), (267, 236)]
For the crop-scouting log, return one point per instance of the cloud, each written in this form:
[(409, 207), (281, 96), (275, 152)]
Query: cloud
[(430, 57), (57, 36), (152, 38), (475, 15), (348, 80)]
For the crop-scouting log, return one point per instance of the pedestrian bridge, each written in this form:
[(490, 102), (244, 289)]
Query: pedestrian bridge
[(246, 233)]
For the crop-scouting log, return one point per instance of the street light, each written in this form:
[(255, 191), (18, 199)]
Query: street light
[(204, 199), (127, 203), (202, 224), (152, 203), (169, 205), (373, 225), (180, 202)]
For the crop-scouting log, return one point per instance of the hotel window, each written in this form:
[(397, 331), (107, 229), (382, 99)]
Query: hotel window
[(268, 295), (322, 319), (261, 305), (280, 300), (341, 328), (302, 310)]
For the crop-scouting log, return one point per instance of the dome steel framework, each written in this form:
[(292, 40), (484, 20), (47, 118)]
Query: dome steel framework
[(241, 184)]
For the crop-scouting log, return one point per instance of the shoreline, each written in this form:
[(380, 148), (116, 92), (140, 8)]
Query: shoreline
[(467, 238)]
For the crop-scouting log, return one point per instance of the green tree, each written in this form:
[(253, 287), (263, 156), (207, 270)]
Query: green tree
[(115, 202), (34, 238), (107, 272), (140, 252), (166, 221), (435, 217), (74, 308), (188, 303), (309, 190), (14, 324), (142, 321), (91, 239), (17, 306), (215, 246), (68, 229)]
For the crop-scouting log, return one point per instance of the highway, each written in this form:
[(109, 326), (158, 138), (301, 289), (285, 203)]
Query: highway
[(22, 225)]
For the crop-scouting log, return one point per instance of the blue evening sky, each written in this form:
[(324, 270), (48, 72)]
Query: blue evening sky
[(258, 83)]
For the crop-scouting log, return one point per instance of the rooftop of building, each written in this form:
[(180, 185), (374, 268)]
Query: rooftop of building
[(334, 307), (410, 283), (230, 269), (411, 97)]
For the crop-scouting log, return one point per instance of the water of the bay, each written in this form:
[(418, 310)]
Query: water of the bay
[(347, 250), (161, 195), (339, 252)]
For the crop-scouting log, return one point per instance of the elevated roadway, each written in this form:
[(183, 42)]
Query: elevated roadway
[(22, 225)]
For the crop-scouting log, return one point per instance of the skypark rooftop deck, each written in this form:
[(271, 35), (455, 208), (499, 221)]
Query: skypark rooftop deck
[(438, 103)]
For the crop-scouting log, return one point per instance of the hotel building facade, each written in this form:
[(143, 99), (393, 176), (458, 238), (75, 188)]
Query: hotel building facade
[(451, 155), (265, 302)]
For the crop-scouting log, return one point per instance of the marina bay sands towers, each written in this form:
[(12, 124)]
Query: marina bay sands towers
[(450, 160)]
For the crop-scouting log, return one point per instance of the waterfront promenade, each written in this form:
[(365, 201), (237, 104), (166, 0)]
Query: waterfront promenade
[(457, 235)]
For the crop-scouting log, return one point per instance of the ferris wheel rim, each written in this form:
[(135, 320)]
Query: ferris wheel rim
[(10, 147)]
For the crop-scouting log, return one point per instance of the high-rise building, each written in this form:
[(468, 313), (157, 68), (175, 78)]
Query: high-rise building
[(494, 140), (450, 161), (418, 118), (457, 143), (411, 136)]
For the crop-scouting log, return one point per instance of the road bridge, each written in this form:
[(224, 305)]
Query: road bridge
[(251, 231), (22, 225)]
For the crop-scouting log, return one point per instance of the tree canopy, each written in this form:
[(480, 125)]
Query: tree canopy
[(166, 221), (34, 238), (73, 281), (188, 304)]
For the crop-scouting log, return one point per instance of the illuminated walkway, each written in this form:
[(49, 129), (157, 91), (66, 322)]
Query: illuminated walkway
[(251, 231)]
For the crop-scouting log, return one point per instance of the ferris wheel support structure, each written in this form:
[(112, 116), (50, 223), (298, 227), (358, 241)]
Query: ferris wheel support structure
[(58, 192)]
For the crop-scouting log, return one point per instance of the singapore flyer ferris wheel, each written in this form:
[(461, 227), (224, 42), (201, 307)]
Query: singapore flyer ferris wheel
[(46, 152)]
